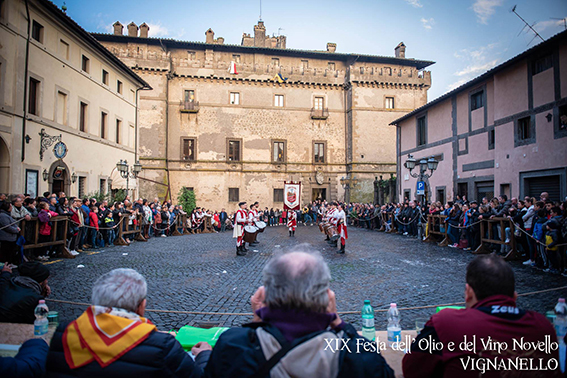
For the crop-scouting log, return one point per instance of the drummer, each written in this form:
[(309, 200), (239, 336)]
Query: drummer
[(253, 217), (329, 216), (292, 222), (240, 220)]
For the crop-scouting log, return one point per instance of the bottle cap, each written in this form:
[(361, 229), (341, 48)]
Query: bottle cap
[(562, 300), (393, 305), (42, 301), (366, 302)]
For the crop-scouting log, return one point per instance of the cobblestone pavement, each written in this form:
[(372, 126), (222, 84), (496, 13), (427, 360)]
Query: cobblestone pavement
[(202, 273)]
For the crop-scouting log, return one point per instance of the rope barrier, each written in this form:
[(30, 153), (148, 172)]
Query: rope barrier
[(11, 224), (339, 312)]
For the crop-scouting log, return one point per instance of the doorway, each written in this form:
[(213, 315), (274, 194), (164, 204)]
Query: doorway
[(59, 178), (484, 189), (319, 194), (57, 186)]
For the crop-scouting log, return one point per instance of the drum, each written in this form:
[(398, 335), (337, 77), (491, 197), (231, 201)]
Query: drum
[(250, 234), (333, 233), (261, 226)]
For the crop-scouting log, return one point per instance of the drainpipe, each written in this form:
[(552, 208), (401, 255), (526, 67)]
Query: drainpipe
[(25, 108), (168, 77)]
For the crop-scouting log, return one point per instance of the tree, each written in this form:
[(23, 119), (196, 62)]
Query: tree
[(186, 198), (119, 195), (99, 196)]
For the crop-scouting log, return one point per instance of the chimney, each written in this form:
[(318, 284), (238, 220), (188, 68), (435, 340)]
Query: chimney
[(144, 29), (210, 36), (132, 29), (400, 50), (331, 47), (220, 41), (281, 41), (260, 35), (118, 28)]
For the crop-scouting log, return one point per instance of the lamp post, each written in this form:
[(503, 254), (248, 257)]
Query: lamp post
[(348, 183), (126, 172), (424, 165)]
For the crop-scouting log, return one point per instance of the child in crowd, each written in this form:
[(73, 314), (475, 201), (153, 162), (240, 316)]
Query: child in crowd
[(44, 216), (93, 222)]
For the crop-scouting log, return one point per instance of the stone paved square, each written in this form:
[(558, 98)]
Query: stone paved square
[(187, 273)]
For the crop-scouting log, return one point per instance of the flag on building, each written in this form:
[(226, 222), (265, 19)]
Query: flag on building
[(232, 68), (279, 78)]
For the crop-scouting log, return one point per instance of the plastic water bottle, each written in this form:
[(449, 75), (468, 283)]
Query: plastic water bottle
[(40, 324), (560, 321), (368, 329), (394, 329)]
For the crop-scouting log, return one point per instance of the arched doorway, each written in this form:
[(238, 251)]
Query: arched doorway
[(59, 178), (4, 168)]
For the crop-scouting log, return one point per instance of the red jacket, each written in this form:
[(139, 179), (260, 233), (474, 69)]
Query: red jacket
[(495, 319), (93, 219), (44, 216)]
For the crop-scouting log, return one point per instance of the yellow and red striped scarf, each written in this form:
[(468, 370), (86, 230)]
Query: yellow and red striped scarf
[(103, 334)]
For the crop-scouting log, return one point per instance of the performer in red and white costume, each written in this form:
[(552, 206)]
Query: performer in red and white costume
[(341, 223), (240, 220), (329, 217), (291, 222), (253, 217)]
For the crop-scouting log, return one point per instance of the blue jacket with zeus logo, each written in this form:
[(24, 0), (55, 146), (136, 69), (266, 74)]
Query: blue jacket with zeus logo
[(493, 338)]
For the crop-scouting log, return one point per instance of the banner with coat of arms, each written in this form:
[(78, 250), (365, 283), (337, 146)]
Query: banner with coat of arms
[(292, 195)]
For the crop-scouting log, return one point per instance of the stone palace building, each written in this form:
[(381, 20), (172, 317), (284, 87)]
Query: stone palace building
[(234, 122)]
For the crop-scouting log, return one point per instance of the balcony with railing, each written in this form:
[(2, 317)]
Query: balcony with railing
[(189, 107), (319, 113)]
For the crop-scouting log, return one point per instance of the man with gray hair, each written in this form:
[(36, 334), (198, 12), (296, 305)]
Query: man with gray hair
[(112, 338), (296, 330)]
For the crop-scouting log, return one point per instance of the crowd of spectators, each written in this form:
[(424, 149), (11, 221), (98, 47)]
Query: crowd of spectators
[(539, 226)]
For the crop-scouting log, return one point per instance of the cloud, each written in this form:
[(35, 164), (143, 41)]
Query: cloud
[(428, 23), (485, 8), (477, 68), (550, 25), (158, 30), (474, 63), (414, 3)]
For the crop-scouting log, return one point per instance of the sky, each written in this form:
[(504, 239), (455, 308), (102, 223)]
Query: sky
[(464, 38)]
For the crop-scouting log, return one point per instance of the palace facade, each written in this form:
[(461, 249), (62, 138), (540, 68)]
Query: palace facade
[(234, 122)]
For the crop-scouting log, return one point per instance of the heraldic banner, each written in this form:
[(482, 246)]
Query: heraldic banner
[(292, 195)]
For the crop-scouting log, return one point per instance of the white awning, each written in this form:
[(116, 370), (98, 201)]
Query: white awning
[(120, 183)]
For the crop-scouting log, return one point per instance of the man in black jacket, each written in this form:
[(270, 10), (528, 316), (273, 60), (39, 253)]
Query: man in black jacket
[(20, 295), (295, 312), (113, 339)]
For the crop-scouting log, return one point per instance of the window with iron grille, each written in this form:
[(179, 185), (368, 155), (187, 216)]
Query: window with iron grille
[(278, 195), (278, 101), (82, 186), (234, 98), (102, 186), (389, 103), (233, 195)]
